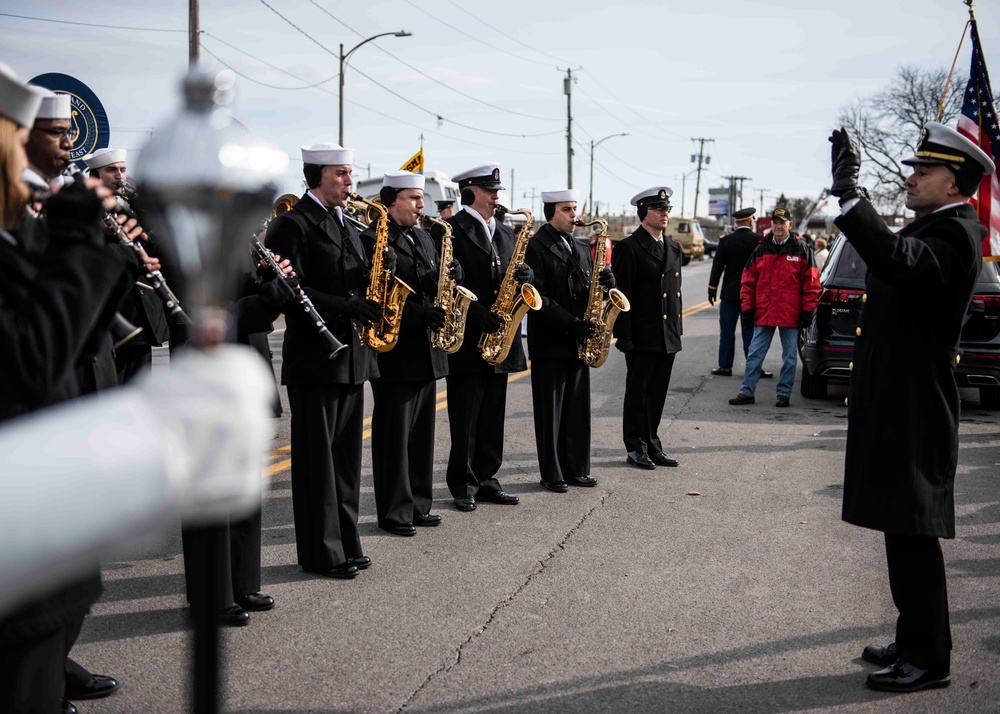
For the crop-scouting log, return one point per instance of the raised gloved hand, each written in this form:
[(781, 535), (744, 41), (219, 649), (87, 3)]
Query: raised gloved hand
[(368, 311), (432, 316), (607, 278), (74, 215), (625, 346), (805, 319), (524, 274), (276, 293), (746, 318), (491, 322), (712, 294), (845, 161), (455, 272), (390, 260), (581, 330)]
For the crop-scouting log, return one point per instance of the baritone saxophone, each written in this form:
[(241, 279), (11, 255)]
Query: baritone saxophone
[(387, 290), (601, 311), (513, 300), (451, 297)]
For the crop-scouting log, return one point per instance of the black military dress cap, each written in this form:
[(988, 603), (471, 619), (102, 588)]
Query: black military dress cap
[(744, 213), (485, 176), (655, 197), (781, 214), (441, 205)]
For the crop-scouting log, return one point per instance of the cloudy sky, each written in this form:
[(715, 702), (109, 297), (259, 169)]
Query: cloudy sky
[(484, 81)]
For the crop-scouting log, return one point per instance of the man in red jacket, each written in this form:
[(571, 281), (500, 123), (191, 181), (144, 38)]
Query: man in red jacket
[(780, 290)]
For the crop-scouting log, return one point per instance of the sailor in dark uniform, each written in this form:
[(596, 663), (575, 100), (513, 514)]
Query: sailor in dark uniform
[(405, 392), (903, 402), (477, 390), (730, 259), (648, 271), (326, 396), (560, 380), (446, 209)]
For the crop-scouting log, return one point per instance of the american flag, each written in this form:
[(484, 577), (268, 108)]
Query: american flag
[(978, 123)]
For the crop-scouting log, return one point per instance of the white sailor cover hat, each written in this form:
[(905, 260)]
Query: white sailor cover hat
[(54, 106), (653, 197), (18, 102), (485, 176), (403, 179), (563, 195), (327, 153), (942, 145), (104, 157)]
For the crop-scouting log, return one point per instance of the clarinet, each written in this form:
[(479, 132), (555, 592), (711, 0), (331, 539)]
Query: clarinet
[(267, 257)]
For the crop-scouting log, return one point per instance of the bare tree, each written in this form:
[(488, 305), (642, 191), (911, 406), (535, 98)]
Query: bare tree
[(887, 125)]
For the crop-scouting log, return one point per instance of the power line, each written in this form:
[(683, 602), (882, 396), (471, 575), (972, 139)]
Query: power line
[(604, 168), (637, 114), (301, 31), (501, 32), (90, 24), (257, 81)]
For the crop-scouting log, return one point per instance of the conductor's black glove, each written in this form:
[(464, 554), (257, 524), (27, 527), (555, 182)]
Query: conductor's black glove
[(712, 294), (491, 322), (524, 274), (390, 260), (746, 318), (75, 215), (805, 319), (607, 278), (359, 308), (625, 346), (455, 272), (277, 293), (845, 161), (581, 330)]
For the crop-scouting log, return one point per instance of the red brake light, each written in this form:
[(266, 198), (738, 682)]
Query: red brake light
[(835, 295)]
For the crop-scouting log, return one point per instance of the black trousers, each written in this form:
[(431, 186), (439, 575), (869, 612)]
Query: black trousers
[(234, 552), (920, 593), (403, 449), (33, 671), (646, 384), (560, 396), (326, 435), (477, 404), (129, 361)]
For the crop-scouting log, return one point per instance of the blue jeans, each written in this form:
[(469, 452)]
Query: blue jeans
[(729, 314), (762, 336)]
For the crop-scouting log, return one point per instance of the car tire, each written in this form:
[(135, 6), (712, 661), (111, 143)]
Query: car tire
[(812, 386), (989, 397)]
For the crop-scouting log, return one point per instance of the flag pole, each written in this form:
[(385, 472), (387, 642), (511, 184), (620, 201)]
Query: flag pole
[(947, 84)]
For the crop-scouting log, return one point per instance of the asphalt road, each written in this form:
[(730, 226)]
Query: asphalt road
[(727, 584)]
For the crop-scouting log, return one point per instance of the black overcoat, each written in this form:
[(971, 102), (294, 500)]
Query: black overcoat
[(332, 269), (483, 273), (730, 258), (412, 359), (903, 402), (563, 279), (653, 287)]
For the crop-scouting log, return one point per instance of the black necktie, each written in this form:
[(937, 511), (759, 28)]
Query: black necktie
[(658, 250)]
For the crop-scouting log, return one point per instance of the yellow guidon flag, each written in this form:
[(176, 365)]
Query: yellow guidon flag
[(415, 163)]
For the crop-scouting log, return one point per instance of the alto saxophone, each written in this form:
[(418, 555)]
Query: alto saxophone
[(600, 311), (451, 297), (388, 291), (512, 301)]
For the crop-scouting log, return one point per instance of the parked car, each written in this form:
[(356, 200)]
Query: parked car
[(710, 247), (827, 346)]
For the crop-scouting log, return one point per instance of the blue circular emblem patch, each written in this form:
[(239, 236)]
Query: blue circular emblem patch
[(89, 120)]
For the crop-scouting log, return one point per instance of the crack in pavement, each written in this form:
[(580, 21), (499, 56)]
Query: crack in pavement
[(507, 601)]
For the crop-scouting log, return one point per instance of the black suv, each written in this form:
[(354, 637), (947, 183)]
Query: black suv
[(827, 346)]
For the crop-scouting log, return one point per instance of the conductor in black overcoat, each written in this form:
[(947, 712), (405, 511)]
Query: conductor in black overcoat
[(477, 390), (648, 271), (560, 381), (326, 395), (405, 392), (903, 402)]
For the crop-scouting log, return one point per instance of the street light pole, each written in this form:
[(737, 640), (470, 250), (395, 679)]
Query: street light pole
[(594, 145), (343, 59)]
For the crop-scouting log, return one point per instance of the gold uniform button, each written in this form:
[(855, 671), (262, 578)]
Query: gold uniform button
[(858, 332), (664, 317), (678, 294), (677, 275), (845, 401), (958, 358), (664, 294), (864, 297), (851, 366), (496, 292)]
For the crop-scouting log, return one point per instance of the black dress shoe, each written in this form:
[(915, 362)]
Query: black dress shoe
[(362, 563), (344, 571), (882, 656), (741, 399), (585, 481), (96, 687), (781, 401), (639, 460), (233, 616), (501, 497), (427, 520), (722, 372), (766, 375), (406, 529), (661, 459), (555, 486), (69, 708), (255, 602), (465, 503), (903, 677)]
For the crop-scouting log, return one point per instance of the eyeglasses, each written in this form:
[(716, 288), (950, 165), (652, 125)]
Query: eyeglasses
[(62, 133)]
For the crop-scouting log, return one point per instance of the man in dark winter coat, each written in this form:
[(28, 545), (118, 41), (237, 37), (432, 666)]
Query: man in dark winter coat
[(903, 403)]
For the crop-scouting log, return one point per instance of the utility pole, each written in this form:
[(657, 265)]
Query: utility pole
[(762, 198), (701, 159), (735, 193), (194, 44), (512, 194), (741, 179), (532, 195), (568, 91)]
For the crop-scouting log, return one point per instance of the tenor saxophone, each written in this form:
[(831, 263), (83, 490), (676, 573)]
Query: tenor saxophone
[(388, 291), (513, 300), (600, 311), (451, 297)]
